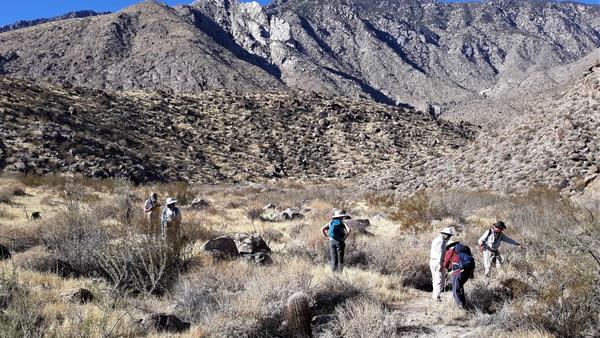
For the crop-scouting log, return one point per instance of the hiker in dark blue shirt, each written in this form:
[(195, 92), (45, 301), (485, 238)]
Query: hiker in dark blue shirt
[(337, 231)]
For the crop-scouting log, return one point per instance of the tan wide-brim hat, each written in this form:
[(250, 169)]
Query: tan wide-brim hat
[(340, 214), (171, 201)]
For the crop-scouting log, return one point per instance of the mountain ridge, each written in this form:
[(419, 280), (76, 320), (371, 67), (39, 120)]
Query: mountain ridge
[(417, 53)]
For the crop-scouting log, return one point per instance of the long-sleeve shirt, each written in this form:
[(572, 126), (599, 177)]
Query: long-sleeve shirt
[(451, 258), (438, 248), (170, 215), (493, 239)]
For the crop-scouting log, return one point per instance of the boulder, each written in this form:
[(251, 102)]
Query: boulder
[(199, 204), (79, 295), (250, 244), (271, 214), (4, 253), (163, 322), (224, 246), (292, 214)]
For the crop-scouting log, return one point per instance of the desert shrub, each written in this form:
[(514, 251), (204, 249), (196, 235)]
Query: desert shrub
[(83, 243), (413, 213), (10, 190), (181, 191), (366, 318), (567, 302), (239, 299), (460, 204), (22, 312), (254, 214), (380, 200), (307, 241), (486, 298), (334, 291), (141, 264), (382, 254)]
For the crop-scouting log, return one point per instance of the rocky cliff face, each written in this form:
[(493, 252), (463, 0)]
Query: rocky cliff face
[(396, 51), (209, 137)]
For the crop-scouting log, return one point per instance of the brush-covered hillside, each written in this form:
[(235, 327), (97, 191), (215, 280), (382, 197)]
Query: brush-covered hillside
[(220, 136), (555, 143)]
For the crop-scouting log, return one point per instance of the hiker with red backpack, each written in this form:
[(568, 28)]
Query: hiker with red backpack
[(461, 265), (337, 232), (490, 243)]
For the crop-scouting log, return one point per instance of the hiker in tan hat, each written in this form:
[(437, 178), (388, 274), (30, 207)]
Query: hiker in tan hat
[(170, 224), (436, 261), (337, 232), (152, 211)]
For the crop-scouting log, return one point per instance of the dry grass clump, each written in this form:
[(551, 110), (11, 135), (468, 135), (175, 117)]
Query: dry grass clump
[(365, 319), (10, 190), (21, 315), (239, 299)]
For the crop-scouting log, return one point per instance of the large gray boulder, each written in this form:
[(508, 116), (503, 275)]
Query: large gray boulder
[(250, 244)]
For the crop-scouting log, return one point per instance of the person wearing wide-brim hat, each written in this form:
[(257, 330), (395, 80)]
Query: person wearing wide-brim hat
[(436, 261), (337, 231), (170, 224), (490, 242)]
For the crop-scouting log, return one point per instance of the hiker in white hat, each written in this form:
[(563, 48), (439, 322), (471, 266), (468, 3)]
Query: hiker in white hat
[(170, 224), (337, 231), (152, 211), (436, 261)]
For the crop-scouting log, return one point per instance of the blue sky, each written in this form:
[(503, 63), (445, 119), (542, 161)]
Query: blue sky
[(12, 11)]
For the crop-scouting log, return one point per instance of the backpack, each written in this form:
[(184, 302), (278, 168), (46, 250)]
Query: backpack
[(336, 230), (466, 261)]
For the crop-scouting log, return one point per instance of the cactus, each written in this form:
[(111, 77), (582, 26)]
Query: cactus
[(298, 316)]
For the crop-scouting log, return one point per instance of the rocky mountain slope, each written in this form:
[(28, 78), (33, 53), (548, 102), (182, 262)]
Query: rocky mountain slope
[(210, 137), (557, 144), (396, 51)]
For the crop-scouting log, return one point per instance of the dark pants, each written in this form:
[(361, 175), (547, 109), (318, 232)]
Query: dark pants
[(458, 288), (336, 252)]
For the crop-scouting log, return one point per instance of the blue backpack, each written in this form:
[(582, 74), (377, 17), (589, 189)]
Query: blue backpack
[(466, 261), (336, 230)]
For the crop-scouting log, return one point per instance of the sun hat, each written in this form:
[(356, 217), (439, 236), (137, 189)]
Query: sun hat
[(500, 225), (171, 201), (340, 214), (448, 231)]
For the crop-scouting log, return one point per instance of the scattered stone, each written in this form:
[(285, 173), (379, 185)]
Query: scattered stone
[(199, 204), (250, 244), (79, 295), (292, 214), (223, 245), (163, 322)]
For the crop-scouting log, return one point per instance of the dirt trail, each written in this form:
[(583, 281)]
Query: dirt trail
[(424, 317)]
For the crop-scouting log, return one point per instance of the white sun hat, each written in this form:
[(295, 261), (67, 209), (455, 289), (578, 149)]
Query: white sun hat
[(340, 214), (448, 231), (171, 201)]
